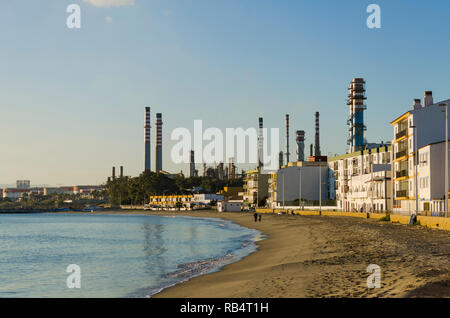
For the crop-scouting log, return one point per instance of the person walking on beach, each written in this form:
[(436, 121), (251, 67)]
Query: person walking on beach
[(255, 216), (260, 218)]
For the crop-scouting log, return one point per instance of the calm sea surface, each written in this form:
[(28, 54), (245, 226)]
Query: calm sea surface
[(119, 255)]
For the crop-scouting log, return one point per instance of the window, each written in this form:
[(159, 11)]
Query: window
[(424, 182)]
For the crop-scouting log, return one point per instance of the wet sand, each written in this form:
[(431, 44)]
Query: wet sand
[(327, 256)]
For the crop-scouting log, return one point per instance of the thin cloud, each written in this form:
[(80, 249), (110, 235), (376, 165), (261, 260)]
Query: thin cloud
[(109, 20), (110, 3)]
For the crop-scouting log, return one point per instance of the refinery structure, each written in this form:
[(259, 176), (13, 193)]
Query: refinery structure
[(356, 98), (297, 183), (375, 177)]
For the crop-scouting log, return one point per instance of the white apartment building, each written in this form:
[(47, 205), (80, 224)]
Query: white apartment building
[(431, 179), (423, 128), (361, 181)]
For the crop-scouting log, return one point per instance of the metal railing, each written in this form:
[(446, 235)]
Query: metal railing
[(401, 193), (401, 153), (401, 134), (401, 173)]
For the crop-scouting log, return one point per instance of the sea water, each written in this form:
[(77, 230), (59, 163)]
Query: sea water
[(117, 255)]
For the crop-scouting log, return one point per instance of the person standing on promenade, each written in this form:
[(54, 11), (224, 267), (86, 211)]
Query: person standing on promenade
[(260, 218), (255, 216)]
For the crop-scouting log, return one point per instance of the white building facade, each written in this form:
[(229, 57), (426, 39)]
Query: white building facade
[(422, 128), (361, 181), (431, 179), (303, 179), (229, 206)]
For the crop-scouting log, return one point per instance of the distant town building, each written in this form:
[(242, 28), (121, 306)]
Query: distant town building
[(256, 188), (23, 184), (186, 200), (232, 193), (206, 198)]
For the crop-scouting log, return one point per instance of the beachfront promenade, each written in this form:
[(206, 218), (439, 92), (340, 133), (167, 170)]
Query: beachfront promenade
[(434, 222)]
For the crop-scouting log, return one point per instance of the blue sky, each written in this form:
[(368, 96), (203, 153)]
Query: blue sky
[(72, 101)]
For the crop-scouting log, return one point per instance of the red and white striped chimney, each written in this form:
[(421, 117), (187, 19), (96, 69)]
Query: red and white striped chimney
[(147, 128), (158, 142)]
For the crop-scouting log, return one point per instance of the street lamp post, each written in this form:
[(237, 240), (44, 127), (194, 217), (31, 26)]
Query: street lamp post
[(300, 187), (283, 188), (257, 190), (416, 162), (320, 187), (446, 158)]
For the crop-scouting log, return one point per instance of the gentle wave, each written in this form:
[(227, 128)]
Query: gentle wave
[(187, 271)]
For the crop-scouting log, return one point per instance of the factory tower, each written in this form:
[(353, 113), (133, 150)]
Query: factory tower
[(147, 128), (317, 140), (300, 145), (356, 97), (287, 139), (260, 143), (158, 161)]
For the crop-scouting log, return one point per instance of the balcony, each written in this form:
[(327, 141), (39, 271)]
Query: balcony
[(401, 153), (401, 194), (401, 134), (401, 173)]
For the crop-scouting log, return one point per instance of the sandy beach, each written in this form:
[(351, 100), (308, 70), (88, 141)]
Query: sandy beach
[(327, 256)]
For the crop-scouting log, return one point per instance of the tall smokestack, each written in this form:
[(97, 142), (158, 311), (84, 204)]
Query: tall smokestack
[(158, 161), (356, 97), (113, 172), (147, 128), (317, 140), (260, 143), (300, 145), (287, 139), (192, 165), (311, 150), (230, 168), (121, 171)]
